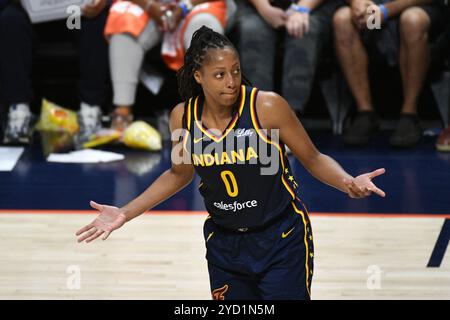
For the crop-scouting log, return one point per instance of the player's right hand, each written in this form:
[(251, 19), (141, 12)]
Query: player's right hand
[(109, 219)]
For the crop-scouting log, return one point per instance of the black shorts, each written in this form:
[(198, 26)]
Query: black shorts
[(384, 43), (271, 264)]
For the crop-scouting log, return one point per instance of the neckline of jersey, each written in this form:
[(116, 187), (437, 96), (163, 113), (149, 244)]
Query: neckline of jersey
[(231, 123)]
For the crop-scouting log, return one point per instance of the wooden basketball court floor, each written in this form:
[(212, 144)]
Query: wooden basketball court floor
[(364, 249), (161, 256)]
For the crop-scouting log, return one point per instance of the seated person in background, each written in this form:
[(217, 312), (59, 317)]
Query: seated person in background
[(136, 26), (305, 26), (407, 26), (19, 36)]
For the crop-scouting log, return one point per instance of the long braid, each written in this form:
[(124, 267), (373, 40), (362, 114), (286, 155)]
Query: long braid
[(202, 40)]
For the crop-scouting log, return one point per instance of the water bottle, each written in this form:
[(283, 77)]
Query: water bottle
[(168, 20)]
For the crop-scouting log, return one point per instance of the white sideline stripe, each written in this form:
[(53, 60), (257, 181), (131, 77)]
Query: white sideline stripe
[(9, 157)]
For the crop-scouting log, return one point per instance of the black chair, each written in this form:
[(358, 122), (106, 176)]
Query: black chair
[(336, 94)]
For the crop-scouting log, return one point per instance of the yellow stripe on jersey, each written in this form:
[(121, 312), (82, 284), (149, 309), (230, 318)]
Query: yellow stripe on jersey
[(189, 114), (266, 139), (230, 126), (188, 125), (304, 207), (185, 140), (302, 214)]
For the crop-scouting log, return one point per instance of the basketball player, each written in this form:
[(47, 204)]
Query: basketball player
[(258, 234)]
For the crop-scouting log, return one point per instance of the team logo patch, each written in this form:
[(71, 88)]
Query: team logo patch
[(218, 294), (244, 132)]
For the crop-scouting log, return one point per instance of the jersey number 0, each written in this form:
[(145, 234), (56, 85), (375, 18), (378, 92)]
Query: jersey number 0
[(230, 183)]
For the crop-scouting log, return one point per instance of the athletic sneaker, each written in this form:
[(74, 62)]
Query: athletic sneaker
[(408, 131), (443, 141), (89, 119), (18, 129), (365, 125), (121, 118)]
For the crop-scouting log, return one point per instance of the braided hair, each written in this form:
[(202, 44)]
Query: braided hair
[(202, 40)]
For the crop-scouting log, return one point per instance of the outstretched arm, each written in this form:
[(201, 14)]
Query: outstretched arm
[(167, 184), (275, 113)]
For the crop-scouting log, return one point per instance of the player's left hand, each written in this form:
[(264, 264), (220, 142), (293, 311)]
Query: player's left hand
[(362, 186), (92, 10)]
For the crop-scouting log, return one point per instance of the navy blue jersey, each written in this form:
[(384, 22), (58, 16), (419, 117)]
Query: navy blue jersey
[(246, 180)]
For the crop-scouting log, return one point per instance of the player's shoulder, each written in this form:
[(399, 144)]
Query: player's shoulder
[(269, 100), (271, 106), (178, 109), (176, 116)]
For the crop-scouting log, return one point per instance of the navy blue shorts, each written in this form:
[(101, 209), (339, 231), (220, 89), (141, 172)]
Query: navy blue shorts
[(275, 263)]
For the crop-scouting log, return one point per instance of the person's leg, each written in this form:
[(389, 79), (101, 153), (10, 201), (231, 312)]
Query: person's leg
[(353, 58), (301, 57), (16, 36), (199, 20), (228, 275), (228, 285), (126, 54), (94, 64), (414, 62), (414, 55), (354, 63), (286, 280), (257, 46), (94, 73), (290, 274)]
